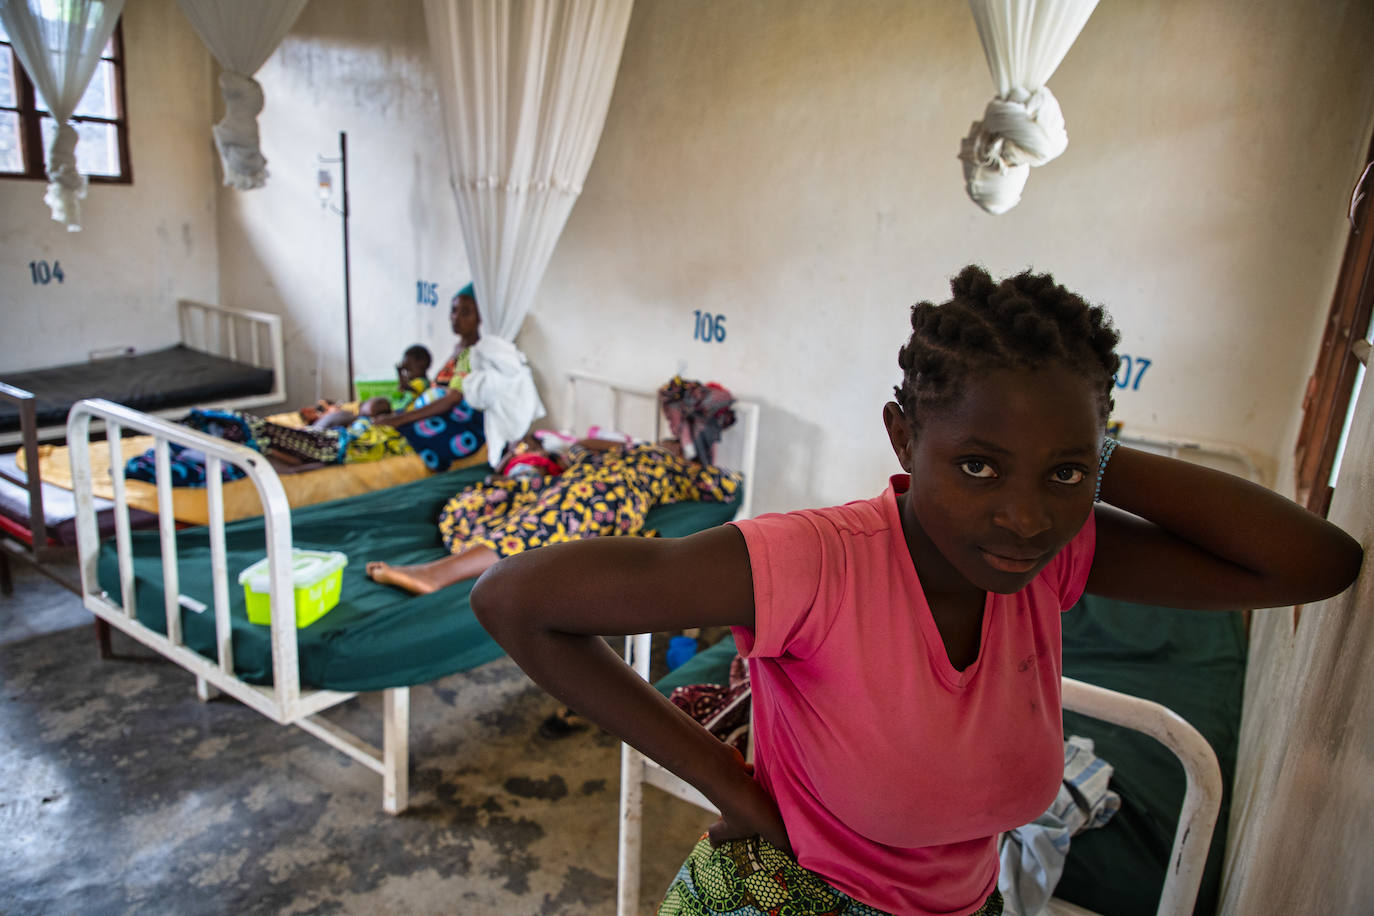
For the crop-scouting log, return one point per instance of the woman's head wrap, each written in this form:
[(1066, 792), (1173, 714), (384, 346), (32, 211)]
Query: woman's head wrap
[(465, 291)]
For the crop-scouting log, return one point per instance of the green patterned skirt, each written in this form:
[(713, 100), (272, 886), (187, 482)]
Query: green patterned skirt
[(752, 877)]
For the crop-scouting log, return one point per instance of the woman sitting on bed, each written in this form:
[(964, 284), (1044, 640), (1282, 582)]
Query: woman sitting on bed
[(466, 322), (484, 392), (905, 651), (606, 489)]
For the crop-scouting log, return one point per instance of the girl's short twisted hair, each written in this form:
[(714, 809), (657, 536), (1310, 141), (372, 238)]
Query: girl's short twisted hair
[(1024, 322)]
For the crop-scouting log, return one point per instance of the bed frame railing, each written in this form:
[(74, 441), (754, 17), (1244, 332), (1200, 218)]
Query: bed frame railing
[(1192, 839), (239, 334), (285, 702), (1201, 799), (636, 411), (31, 545), (242, 335), (28, 431), (1223, 456)]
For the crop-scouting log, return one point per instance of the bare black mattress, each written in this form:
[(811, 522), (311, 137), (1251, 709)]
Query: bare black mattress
[(175, 377)]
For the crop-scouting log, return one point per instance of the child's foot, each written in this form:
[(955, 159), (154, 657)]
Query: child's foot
[(414, 579), (561, 724)]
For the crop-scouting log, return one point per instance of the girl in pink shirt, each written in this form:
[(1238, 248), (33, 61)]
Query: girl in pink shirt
[(905, 650)]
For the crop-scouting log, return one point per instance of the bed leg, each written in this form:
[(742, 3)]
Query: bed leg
[(395, 749), (6, 578), (205, 691), (102, 638), (631, 826)]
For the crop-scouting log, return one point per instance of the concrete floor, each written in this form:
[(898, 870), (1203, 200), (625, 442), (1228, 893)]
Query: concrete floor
[(123, 793)]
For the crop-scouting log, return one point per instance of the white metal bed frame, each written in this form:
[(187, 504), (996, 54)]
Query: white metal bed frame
[(738, 448), (238, 334), (1201, 799), (286, 701)]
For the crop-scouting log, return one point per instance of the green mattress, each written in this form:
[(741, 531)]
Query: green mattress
[(377, 636), (1192, 662)]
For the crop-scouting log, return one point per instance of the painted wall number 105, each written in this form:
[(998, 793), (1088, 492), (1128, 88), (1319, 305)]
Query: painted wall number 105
[(709, 327), (42, 274)]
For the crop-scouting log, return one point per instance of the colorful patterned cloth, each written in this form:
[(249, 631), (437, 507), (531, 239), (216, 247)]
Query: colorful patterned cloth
[(306, 443), (752, 877), (601, 494), (442, 440), (456, 368), (369, 442), (697, 414), (722, 709), (412, 390), (187, 465)]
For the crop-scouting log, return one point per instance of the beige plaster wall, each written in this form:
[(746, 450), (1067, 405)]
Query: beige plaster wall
[(1303, 812), (360, 67), (142, 246), (792, 167)]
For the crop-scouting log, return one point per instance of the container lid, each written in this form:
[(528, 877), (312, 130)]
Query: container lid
[(307, 568)]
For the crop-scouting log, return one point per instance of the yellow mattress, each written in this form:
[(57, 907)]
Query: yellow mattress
[(190, 504)]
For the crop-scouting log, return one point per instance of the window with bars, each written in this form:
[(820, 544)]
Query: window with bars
[(26, 127)]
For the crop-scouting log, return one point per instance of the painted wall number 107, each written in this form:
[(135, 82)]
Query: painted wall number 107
[(709, 327), (42, 274), (1131, 371)]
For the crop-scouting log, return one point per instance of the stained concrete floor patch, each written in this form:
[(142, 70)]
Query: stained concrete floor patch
[(175, 806), (550, 789)]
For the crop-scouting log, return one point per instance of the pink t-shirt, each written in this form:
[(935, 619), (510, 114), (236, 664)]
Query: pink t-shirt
[(894, 771)]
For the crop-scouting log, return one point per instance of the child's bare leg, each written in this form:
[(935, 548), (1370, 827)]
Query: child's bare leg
[(424, 578)]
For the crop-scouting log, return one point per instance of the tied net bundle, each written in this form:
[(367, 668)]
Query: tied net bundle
[(1024, 42)]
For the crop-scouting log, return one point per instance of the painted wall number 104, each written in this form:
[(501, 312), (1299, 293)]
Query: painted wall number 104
[(709, 327), (42, 274)]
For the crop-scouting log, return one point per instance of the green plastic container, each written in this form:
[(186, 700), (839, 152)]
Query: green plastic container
[(317, 576), (376, 388)]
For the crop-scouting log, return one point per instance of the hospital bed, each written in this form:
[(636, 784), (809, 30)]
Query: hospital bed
[(190, 504), (1129, 673), (174, 590), (227, 357), (38, 521)]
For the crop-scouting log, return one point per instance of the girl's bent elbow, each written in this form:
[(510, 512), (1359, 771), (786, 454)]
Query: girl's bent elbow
[(1335, 570), (1350, 563)]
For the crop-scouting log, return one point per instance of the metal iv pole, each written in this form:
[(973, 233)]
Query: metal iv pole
[(342, 159)]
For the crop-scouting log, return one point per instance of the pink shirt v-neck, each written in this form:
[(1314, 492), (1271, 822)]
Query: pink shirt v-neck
[(894, 771)]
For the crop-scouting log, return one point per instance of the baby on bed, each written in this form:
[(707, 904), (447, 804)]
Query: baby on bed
[(334, 436), (338, 436), (412, 376)]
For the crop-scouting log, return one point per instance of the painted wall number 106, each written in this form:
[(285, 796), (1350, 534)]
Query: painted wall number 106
[(709, 327)]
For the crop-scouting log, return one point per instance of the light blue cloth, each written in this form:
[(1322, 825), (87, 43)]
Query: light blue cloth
[(1033, 855)]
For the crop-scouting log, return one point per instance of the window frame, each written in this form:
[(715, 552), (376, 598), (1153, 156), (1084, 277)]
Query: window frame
[(31, 117), (1331, 388)]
